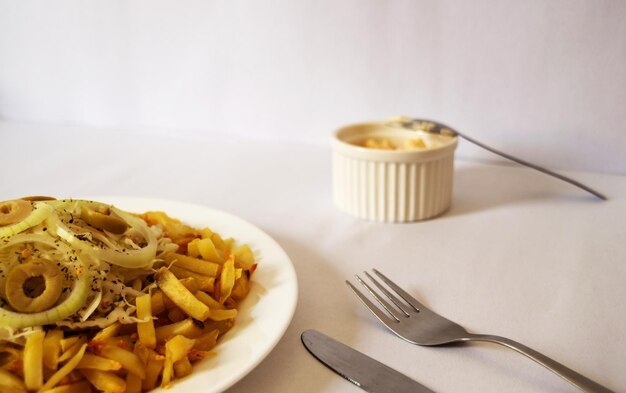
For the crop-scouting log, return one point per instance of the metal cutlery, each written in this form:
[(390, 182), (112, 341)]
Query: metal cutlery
[(358, 368), (417, 324), (433, 127)]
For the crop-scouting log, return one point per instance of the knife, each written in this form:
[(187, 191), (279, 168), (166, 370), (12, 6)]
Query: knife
[(360, 369)]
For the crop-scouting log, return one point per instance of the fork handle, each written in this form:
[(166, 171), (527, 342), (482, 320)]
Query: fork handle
[(580, 381)]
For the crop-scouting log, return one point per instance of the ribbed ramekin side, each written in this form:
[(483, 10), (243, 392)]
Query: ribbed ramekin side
[(392, 191)]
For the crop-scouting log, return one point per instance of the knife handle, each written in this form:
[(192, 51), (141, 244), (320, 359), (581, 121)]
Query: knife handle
[(580, 381)]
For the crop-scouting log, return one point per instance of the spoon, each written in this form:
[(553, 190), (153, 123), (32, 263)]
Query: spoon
[(433, 127)]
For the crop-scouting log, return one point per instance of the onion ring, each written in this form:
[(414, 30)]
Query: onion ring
[(67, 307), (104, 245)]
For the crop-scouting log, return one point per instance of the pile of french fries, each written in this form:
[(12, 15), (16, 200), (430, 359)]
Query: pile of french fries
[(192, 305)]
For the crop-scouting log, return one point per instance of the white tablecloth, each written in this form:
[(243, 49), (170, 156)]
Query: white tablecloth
[(519, 254)]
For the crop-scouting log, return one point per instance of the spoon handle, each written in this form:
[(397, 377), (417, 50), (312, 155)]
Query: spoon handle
[(533, 166)]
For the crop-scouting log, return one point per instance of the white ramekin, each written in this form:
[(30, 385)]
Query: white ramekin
[(391, 185)]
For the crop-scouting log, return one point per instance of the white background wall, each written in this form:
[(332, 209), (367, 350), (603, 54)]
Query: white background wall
[(543, 79)]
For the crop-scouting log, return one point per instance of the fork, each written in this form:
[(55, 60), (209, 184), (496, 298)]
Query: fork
[(417, 324)]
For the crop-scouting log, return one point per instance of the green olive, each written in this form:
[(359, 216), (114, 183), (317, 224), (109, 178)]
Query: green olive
[(38, 198), (103, 219), (12, 212), (34, 286)]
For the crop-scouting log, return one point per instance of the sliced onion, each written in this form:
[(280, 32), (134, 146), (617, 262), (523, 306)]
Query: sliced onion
[(74, 302), (41, 211), (110, 250), (91, 308), (119, 314)]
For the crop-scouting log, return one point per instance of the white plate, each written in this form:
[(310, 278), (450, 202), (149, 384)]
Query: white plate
[(263, 316)]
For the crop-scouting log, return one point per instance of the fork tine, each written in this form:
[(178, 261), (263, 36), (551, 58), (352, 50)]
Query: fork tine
[(388, 307), (403, 294), (394, 299), (373, 308)]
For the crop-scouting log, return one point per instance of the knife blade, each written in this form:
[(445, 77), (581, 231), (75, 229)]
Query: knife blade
[(363, 371)]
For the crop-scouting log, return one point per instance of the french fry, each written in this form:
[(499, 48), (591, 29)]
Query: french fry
[(227, 278), (133, 383), (190, 283), (192, 248), (207, 341), (174, 229), (175, 349), (11, 383), (126, 342), (195, 355), (182, 368), (51, 349), (206, 233), (208, 251), (68, 342), (218, 242), (154, 366), (76, 387), (159, 302), (230, 303), (33, 360), (108, 332), (223, 326), (185, 328), (90, 360), (220, 315), (181, 296), (105, 381), (204, 283), (73, 376), (209, 301), (242, 286), (73, 349), (65, 370), (244, 258), (47, 372), (196, 265), (128, 359), (142, 352), (175, 314), (145, 330)]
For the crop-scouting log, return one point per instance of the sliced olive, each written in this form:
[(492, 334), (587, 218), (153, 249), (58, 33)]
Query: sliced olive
[(12, 212), (34, 286), (103, 219), (37, 198)]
